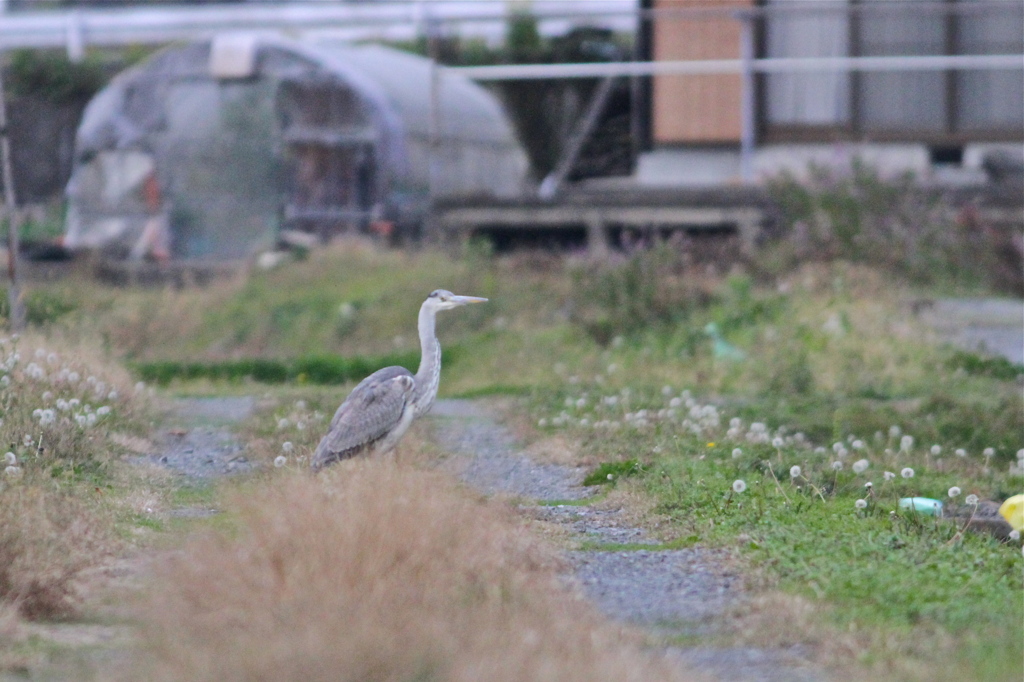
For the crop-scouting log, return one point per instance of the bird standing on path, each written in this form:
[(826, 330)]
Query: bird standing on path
[(381, 408)]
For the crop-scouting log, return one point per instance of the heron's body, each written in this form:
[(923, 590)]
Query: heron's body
[(381, 408)]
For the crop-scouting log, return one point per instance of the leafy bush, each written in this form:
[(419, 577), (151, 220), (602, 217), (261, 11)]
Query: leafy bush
[(862, 217)]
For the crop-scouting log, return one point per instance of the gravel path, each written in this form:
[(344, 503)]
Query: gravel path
[(196, 440), (675, 592)]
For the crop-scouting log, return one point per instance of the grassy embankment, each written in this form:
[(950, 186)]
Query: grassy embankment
[(829, 361)]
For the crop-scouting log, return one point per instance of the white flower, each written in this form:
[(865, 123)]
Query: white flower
[(953, 492), (73, 377), (10, 458), (283, 423), (836, 447), (13, 471), (906, 443), (936, 450), (869, 485), (736, 453), (287, 446), (103, 410), (62, 405), (112, 395), (582, 402), (888, 475), (777, 442), (971, 499), (675, 402), (47, 417), (1015, 535), (988, 452), (858, 444), (47, 395), (794, 471), (860, 504), (895, 431), (960, 452), (860, 466), (90, 418), (837, 466), (739, 485), (280, 461), (27, 440), (80, 420), (907, 472), (74, 402)]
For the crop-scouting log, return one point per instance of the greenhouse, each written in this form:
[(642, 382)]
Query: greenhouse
[(211, 150)]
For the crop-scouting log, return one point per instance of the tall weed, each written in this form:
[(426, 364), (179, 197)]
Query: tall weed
[(858, 215), (375, 572)]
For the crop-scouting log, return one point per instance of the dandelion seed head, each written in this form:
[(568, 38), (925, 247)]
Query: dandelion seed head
[(283, 423), (906, 443), (542, 422), (895, 431), (103, 410), (837, 466), (888, 475), (861, 503), (960, 452), (858, 445), (736, 453), (988, 452), (739, 485), (907, 472), (10, 458), (1015, 535), (794, 471), (869, 485), (953, 492), (13, 471), (27, 440), (777, 442), (936, 450), (280, 461), (971, 499), (860, 466)]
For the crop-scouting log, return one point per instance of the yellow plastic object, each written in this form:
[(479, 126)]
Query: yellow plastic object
[(1013, 511)]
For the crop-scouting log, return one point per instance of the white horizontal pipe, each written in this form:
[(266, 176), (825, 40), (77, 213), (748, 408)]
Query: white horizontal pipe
[(716, 66)]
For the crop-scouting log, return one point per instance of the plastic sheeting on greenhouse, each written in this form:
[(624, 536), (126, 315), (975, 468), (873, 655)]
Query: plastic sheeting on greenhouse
[(211, 149)]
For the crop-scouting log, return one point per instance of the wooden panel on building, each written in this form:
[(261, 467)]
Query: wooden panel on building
[(696, 109)]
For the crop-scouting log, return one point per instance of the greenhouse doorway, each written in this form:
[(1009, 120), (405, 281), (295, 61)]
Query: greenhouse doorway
[(332, 185)]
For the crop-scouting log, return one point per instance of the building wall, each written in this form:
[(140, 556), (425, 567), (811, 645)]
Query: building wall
[(696, 109)]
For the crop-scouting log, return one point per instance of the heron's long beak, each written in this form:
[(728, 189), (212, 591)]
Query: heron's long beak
[(463, 300)]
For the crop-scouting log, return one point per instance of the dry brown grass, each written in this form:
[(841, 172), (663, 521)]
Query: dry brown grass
[(48, 538), (376, 571)]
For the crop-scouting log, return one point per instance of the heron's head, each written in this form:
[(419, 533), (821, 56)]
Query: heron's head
[(442, 299)]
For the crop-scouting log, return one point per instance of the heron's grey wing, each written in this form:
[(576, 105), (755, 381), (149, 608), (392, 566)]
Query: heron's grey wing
[(369, 413)]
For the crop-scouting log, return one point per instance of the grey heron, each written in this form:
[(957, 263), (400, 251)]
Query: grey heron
[(379, 411)]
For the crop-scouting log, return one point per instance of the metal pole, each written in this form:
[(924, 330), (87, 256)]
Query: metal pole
[(747, 103), (16, 305)]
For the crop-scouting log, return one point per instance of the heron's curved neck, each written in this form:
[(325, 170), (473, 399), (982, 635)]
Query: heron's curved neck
[(428, 377)]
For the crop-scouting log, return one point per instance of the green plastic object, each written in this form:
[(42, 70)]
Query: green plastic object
[(722, 349), (922, 505)]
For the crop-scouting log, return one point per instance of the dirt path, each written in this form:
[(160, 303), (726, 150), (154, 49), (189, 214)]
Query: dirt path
[(672, 592)]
